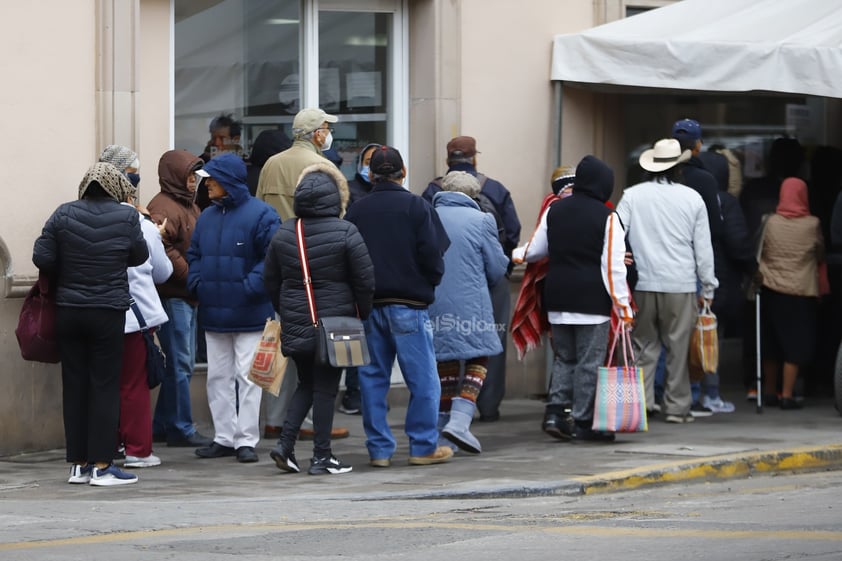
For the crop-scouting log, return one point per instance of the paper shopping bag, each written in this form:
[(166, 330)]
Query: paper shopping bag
[(269, 364), (704, 346)]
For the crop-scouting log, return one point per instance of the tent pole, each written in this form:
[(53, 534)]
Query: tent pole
[(557, 98)]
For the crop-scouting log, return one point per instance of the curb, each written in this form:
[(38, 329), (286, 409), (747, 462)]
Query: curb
[(728, 466), (711, 468)]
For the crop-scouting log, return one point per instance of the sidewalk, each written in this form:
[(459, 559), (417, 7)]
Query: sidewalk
[(518, 460)]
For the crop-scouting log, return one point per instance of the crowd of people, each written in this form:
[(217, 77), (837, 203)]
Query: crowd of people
[(218, 251)]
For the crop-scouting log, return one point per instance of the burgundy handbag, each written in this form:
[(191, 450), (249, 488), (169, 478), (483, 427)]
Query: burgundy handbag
[(36, 331)]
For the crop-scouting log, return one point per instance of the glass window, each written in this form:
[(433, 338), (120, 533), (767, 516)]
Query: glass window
[(239, 58), (354, 77)]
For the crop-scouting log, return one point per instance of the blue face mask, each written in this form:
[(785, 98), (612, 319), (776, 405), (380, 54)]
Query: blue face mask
[(365, 173), (134, 178)]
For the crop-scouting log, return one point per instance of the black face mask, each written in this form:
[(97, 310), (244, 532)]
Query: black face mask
[(134, 178)]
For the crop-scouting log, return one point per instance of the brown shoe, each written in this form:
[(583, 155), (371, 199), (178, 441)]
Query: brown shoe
[(335, 434), (441, 455), (272, 432), (380, 462)]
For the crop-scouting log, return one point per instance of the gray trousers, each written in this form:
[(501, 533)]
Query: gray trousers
[(668, 319), (579, 352), (494, 386)]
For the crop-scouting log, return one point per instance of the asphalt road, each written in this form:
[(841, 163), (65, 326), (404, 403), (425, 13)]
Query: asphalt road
[(758, 519)]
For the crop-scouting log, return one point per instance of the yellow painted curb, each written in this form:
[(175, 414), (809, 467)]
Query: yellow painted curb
[(727, 466)]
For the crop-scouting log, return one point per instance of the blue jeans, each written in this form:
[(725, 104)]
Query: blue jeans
[(173, 413), (407, 333)]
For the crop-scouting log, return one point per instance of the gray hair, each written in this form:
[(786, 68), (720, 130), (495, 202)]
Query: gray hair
[(461, 182)]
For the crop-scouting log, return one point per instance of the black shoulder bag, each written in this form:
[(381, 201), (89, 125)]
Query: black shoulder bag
[(340, 340)]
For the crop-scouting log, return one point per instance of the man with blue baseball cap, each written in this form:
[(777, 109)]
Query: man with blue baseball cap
[(688, 133)]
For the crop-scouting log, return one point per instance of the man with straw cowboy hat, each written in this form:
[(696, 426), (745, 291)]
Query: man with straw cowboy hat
[(668, 231)]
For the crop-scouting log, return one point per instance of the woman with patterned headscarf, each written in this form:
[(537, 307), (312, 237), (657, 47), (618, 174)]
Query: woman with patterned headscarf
[(85, 248)]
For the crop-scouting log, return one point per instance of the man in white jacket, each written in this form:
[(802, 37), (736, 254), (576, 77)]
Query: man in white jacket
[(669, 234)]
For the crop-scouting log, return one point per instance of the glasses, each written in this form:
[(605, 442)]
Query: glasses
[(324, 129)]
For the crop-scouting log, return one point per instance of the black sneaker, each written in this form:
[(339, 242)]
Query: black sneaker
[(246, 455), (558, 426), (587, 434), (284, 460), (699, 410), (325, 466), (350, 404), (215, 450)]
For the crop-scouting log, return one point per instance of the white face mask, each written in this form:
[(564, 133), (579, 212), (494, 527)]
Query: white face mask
[(328, 141)]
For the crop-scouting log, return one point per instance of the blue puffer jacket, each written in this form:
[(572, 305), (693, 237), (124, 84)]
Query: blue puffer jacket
[(463, 321), (227, 251)]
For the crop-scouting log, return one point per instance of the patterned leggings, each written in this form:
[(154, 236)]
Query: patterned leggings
[(471, 385)]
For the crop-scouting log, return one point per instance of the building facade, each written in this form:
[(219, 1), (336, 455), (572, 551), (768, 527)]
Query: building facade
[(151, 74)]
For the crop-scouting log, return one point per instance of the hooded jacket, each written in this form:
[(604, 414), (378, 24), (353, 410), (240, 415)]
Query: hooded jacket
[(586, 274), (462, 316), (340, 267), (176, 204), (227, 251), (359, 187)]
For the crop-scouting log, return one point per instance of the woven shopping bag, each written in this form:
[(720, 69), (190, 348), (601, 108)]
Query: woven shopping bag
[(704, 346), (620, 404), (269, 364)]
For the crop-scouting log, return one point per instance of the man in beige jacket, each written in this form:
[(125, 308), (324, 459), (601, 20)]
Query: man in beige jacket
[(311, 134)]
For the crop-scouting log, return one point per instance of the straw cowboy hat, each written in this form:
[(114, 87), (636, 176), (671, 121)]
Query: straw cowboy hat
[(665, 154)]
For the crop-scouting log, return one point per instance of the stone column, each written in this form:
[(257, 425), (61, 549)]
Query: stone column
[(117, 91)]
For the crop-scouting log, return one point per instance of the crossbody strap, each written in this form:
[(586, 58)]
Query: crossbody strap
[(305, 269), (140, 321)]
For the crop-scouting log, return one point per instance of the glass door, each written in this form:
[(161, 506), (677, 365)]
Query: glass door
[(359, 77)]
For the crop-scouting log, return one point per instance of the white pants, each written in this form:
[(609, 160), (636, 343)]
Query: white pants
[(229, 361)]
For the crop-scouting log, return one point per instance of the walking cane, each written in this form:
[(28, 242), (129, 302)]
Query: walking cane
[(757, 349)]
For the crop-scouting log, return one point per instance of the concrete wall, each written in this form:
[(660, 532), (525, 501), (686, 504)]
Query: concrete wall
[(50, 136)]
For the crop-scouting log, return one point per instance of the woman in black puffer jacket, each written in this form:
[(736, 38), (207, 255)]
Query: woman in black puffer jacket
[(86, 247), (343, 285)]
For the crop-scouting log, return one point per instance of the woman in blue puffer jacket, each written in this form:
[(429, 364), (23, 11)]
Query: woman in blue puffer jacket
[(462, 317)]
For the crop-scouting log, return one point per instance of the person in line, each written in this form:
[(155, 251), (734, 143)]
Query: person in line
[(175, 209), (792, 248), (225, 275), (135, 409), (312, 136), (406, 242), (733, 259), (225, 131), (343, 284), (668, 231), (267, 144), (494, 197), (474, 262), (86, 248), (358, 188)]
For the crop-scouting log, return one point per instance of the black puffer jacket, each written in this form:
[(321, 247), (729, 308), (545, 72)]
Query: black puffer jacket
[(87, 245), (340, 267)]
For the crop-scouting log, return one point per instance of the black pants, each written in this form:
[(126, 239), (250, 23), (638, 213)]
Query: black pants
[(91, 347), (317, 388)]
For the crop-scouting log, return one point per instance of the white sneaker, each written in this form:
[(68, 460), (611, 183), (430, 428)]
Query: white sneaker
[(149, 461), (80, 474), (717, 405), (110, 476)]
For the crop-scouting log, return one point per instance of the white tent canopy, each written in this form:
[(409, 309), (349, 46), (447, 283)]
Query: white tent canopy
[(789, 46)]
